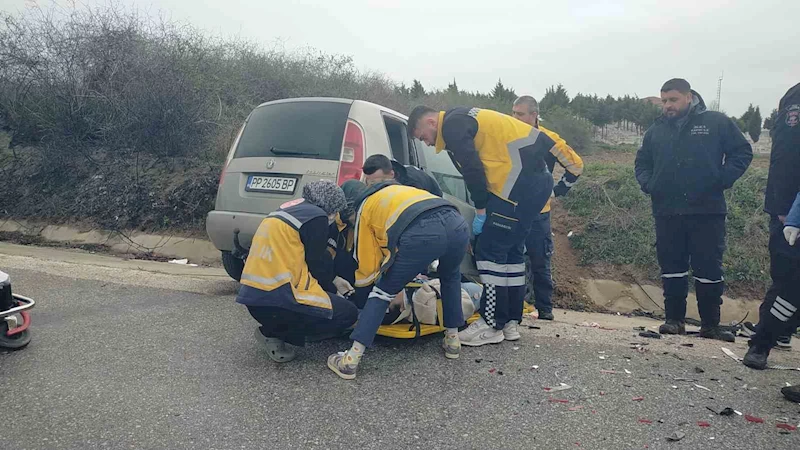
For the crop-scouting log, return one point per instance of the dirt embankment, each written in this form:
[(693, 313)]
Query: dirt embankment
[(110, 192)]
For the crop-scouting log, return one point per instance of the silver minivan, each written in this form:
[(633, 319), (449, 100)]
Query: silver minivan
[(285, 144)]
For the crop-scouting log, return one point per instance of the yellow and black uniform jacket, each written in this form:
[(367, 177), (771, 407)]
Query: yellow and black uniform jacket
[(383, 213), (565, 156), (277, 272), (493, 151)]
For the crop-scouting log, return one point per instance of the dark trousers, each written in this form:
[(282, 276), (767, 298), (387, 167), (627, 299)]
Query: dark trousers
[(438, 234), (500, 248), (294, 327), (779, 314), (539, 248), (696, 241), (766, 306)]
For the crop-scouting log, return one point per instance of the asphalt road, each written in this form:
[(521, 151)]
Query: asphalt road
[(117, 363)]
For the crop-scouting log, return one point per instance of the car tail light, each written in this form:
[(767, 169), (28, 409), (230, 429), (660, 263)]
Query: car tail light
[(352, 159), (230, 154), (222, 174)]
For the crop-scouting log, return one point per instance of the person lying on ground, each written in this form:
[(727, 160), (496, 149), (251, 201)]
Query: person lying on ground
[(277, 286), (398, 232)]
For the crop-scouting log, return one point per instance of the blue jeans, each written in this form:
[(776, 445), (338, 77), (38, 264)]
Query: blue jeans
[(539, 247), (438, 234)]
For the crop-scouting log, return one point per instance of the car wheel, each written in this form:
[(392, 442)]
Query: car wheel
[(233, 265), (16, 341)]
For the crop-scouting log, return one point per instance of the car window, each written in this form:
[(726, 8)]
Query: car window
[(282, 129), (442, 168), (398, 139)]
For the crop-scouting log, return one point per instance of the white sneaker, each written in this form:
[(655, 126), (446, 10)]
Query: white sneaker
[(480, 333), (511, 331)]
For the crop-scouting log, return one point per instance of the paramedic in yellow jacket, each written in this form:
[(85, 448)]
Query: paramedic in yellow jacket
[(539, 244), (502, 160), (279, 284), (398, 232)]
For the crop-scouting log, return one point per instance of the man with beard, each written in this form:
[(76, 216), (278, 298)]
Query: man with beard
[(688, 158)]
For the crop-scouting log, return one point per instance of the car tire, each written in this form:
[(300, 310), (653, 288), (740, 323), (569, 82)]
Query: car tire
[(233, 265), (14, 342)]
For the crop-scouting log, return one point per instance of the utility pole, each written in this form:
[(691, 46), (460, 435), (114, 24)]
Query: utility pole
[(719, 92)]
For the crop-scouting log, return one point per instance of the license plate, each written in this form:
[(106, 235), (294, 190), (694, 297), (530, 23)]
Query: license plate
[(259, 183)]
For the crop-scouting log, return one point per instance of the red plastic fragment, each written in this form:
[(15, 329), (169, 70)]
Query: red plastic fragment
[(703, 424), (786, 426), (753, 419), (492, 370), (558, 400), (576, 408), (645, 421), (638, 399)]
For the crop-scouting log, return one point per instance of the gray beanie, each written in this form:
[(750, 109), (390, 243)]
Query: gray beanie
[(325, 194)]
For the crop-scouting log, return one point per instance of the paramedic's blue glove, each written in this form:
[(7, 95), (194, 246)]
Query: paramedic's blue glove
[(477, 223)]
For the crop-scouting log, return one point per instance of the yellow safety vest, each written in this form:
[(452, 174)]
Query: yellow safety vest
[(498, 143), (276, 273), (383, 215)]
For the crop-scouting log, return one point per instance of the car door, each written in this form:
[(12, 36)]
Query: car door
[(453, 187)]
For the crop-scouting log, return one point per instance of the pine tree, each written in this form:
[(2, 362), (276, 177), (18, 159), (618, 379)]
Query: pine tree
[(452, 88), (769, 122), (417, 91), (554, 96)]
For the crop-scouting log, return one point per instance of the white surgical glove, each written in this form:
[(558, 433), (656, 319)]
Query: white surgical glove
[(343, 287), (790, 233)]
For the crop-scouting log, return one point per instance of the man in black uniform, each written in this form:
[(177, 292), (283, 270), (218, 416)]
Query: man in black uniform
[(379, 168), (779, 312), (688, 158)]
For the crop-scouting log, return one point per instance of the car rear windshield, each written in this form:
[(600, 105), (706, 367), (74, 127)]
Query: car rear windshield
[(295, 129)]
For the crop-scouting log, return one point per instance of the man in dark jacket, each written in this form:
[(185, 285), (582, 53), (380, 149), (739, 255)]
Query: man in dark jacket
[(379, 168), (688, 158), (779, 312)]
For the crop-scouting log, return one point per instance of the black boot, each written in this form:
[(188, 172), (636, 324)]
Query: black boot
[(717, 333), (792, 393), (546, 315), (673, 327), (756, 357)]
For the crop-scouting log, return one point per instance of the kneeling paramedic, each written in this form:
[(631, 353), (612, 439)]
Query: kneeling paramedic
[(502, 160), (398, 232), (278, 287)]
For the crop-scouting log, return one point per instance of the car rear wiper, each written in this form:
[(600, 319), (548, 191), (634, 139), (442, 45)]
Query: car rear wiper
[(284, 152)]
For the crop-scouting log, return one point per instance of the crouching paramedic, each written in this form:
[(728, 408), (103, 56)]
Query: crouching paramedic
[(278, 287), (502, 160), (398, 232)]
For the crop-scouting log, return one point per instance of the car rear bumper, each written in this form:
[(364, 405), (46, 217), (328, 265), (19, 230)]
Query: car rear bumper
[(220, 226)]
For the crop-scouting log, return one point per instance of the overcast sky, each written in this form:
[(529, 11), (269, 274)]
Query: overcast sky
[(602, 46)]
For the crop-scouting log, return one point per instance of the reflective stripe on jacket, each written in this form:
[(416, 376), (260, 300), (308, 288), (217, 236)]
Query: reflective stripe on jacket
[(276, 273)]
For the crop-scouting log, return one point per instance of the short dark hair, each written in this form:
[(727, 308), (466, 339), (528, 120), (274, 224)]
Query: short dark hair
[(677, 84), (416, 114), (377, 162)]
